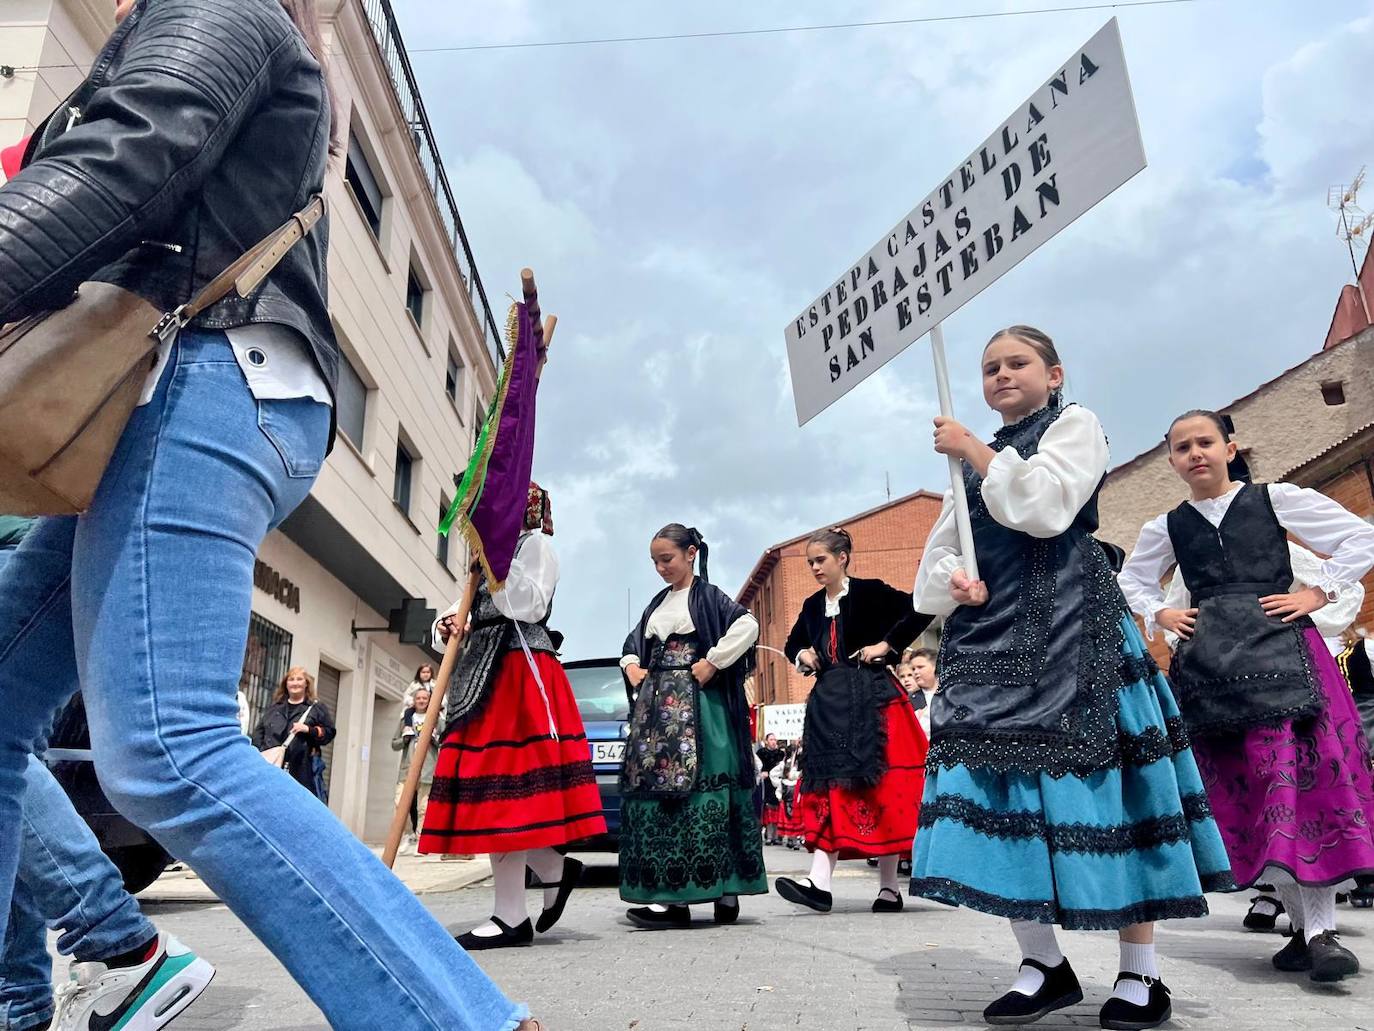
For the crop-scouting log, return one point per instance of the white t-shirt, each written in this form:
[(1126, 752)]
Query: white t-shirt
[(276, 361)]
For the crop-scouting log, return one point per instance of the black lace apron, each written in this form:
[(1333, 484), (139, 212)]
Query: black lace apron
[(1029, 680), (1241, 668), (843, 731)]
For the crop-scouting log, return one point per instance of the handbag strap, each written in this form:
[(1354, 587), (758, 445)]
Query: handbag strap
[(247, 273), (300, 719)]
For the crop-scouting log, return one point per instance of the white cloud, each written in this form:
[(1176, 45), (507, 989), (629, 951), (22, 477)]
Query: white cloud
[(1316, 118)]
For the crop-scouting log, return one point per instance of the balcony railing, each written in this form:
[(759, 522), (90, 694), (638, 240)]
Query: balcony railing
[(387, 35)]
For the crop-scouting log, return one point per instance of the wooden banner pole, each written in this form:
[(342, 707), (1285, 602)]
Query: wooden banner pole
[(436, 702), (956, 472), (436, 705)]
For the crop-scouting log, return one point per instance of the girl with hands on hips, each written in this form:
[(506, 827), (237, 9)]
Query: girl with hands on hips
[(1260, 692)]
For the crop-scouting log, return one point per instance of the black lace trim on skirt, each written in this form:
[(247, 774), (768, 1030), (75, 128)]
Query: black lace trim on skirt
[(1117, 839), (942, 889), (1050, 754), (511, 787)]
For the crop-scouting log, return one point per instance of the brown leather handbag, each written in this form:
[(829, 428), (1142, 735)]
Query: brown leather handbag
[(71, 378)]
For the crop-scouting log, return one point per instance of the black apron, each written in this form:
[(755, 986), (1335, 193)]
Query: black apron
[(1241, 668)]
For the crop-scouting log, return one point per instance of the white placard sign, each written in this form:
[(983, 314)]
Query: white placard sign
[(1072, 143), (784, 720)]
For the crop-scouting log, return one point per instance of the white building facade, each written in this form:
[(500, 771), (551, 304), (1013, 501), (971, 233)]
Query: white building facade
[(420, 347)]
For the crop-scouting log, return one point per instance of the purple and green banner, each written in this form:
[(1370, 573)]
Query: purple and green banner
[(493, 491)]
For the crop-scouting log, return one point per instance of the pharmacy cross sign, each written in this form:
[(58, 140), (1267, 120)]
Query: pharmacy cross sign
[(1066, 148)]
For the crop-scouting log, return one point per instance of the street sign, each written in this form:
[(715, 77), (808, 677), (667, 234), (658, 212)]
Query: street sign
[(1071, 144)]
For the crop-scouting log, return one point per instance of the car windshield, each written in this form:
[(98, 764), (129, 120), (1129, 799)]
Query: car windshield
[(600, 692)]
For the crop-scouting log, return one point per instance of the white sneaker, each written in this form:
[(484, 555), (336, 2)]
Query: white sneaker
[(145, 997)]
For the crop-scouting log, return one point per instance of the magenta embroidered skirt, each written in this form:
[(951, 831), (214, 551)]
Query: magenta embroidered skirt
[(1298, 796)]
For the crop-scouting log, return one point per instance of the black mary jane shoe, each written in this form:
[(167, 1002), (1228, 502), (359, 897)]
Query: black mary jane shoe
[(1363, 895), (572, 877), (652, 919), (889, 900), (1061, 988), (1294, 958), (1120, 1015), (1331, 961), (807, 895), (1258, 921), (725, 914), (521, 934)]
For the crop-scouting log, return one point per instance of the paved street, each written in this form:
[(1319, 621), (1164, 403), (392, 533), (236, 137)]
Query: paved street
[(929, 967)]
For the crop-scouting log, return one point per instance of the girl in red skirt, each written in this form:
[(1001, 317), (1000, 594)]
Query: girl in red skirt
[(862, 775), (514, 777)]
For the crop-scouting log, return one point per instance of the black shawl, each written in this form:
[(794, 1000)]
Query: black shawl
[(872, 611), (713, 612)]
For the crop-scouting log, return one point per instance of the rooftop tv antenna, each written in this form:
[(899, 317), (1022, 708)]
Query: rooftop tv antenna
[(1353, 226)]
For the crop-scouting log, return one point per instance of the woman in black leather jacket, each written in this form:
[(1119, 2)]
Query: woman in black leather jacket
[(204, 125)]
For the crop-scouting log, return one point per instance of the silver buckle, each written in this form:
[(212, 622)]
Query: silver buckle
[(169, 325)]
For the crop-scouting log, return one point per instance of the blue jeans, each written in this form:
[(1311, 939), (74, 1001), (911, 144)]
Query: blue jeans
[(65, 881), (158, 576)]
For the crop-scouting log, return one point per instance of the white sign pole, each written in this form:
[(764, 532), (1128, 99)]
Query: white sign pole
[(956, 472)]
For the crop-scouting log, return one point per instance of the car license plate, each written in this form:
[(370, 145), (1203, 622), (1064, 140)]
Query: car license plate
[(608, 751)]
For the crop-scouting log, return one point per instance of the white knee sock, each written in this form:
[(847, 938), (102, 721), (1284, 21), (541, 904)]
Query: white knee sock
[(887, 874), (822, 867), (1318, 910), (508, 875), (1289, 895), (1138, 959), (1038, 942), (548, 867)]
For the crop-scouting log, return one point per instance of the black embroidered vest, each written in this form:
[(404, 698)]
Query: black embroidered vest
[(1029, 680), (1241, 668)]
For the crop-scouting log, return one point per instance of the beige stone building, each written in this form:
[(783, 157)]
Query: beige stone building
[(1278, 427), (421, 347)]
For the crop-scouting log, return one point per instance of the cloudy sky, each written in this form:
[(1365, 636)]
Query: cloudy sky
[(680, 201)]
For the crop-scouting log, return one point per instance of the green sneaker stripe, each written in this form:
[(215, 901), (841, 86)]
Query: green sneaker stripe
[(170, 968)]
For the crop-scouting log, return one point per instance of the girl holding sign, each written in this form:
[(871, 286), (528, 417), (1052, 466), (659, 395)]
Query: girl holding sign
[(1060, 787), (1277, 732), (861, 784), (688, 829)]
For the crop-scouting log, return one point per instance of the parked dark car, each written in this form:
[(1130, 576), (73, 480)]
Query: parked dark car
[(139, 858), (600, 692)]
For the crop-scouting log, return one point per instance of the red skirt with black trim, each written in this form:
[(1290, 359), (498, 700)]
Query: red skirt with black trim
[(504, 782), (877, 821)]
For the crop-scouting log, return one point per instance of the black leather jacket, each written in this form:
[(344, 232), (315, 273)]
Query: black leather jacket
[(204, 124)]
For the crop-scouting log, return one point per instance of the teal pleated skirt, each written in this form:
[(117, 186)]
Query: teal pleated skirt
[(1120, 846)]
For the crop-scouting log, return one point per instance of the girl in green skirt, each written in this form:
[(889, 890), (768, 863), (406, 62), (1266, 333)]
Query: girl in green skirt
[(689, 832)]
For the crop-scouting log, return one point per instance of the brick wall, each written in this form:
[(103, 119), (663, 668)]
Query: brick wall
[(888, 543)]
